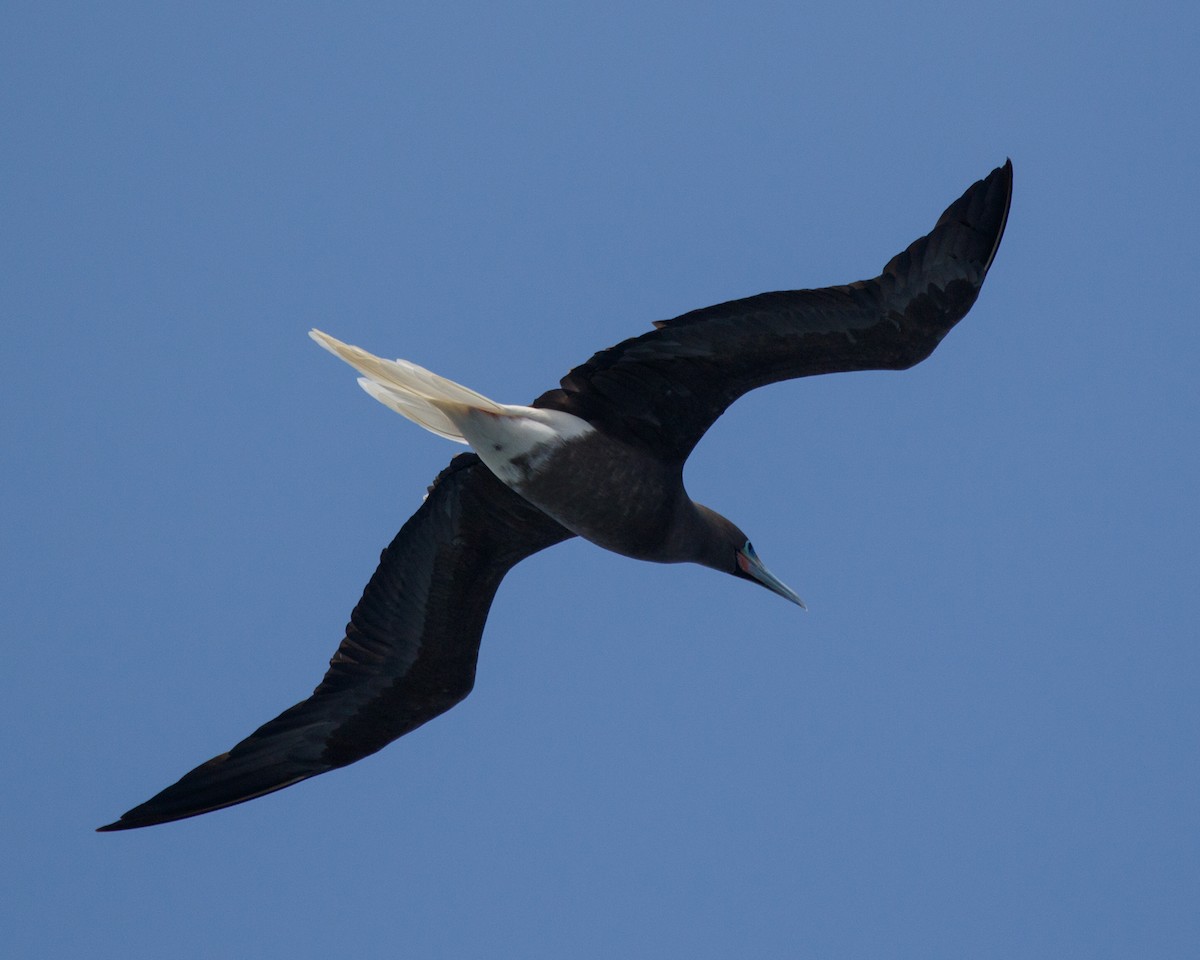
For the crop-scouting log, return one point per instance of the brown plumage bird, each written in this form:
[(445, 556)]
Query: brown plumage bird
[(601, 456)]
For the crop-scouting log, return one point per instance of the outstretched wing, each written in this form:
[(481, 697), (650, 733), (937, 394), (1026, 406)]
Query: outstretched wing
[(664, 389), (409, 652), (413, 640)]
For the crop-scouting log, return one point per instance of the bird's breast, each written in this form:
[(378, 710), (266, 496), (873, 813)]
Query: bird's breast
[(607, 492)]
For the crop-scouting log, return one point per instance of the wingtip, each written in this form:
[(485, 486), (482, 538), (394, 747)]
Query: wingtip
[(1007, 169), (1007, 172), (126, 822), (132, 820)]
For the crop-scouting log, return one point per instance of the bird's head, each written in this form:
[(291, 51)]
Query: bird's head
[(727, 549)]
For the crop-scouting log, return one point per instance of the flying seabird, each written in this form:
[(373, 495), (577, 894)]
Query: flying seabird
[(601, 457)]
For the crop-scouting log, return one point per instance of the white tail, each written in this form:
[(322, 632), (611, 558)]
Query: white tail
[(514, 442), (412, 391)]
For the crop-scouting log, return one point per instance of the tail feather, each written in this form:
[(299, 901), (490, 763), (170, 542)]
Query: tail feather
[(410, 390), (418, 410)]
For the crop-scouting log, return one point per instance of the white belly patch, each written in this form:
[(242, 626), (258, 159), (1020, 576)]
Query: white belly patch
[(516, 442)]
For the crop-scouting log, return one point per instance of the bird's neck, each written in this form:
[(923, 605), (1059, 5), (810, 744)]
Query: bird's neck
[(703, 536)]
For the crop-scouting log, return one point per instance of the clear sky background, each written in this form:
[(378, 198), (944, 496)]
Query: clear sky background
[(982, 739)]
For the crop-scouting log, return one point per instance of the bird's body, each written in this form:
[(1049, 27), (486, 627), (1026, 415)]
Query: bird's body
[(634, 499), (601, 456), (619, 495)]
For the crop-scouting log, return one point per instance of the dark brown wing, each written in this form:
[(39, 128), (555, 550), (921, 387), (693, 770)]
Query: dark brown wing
[(409, 652), (664, 389)]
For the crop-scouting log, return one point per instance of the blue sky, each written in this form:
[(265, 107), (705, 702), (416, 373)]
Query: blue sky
[(980, 741)]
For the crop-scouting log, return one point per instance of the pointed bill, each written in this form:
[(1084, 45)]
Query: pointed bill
[(753, 567)]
